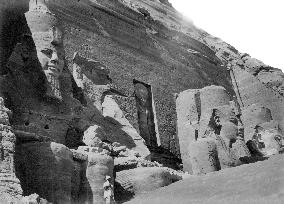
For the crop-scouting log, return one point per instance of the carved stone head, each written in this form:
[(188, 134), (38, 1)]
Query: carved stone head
[(47, 37), (49, 51), (268, 139)]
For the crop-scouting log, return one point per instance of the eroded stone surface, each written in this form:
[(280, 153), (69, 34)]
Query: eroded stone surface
[(131, 183), (112, 110), (98, 167), (203, 156), (188, 116), (45, 169), (218, 133), (253, 115), (194, 111), (266, 97), (267, 139), (10, 187)]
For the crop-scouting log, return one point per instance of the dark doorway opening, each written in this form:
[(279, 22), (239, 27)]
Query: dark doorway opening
[(146, 118)]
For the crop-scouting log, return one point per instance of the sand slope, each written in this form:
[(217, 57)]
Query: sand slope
[(261, 182)]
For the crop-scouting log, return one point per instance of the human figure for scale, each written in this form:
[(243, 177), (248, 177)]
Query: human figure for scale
[(108, 191)]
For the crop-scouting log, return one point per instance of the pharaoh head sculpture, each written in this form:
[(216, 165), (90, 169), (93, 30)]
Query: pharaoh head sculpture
[(268, 139), (47, 37)]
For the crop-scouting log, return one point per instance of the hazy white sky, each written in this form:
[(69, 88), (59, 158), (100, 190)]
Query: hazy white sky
[(252, 26)]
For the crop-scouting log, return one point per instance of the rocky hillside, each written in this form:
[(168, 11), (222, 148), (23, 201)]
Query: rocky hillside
[(143, 40)]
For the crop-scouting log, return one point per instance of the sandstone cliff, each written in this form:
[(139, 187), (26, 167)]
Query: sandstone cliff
[(144, 40), (131, 83)]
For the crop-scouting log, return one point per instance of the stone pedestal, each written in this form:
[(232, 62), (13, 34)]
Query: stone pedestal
[(97, 168), (46, 169), (204, 156)]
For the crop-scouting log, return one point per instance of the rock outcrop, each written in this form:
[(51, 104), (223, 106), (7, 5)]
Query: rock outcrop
[(10, 187), (252, 91), (271, 77), (134, 182)]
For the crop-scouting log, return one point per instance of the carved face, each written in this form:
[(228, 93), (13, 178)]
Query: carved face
[(50, 53), (268, 141)]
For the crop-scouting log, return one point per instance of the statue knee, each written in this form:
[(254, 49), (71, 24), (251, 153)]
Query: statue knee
[(204, 156)]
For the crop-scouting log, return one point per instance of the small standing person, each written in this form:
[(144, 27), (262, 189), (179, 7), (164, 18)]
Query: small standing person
[(108, 191)]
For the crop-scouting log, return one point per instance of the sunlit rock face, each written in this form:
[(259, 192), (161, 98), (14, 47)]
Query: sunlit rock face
[(253, 91), (270, 76)]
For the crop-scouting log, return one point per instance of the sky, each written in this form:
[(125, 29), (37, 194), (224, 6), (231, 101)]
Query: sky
[(255, 27)]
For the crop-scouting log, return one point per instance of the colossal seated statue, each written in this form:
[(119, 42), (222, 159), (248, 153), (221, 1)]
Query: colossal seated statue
[(48, 119), (48, 40), (220, 142), (38, 92)]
